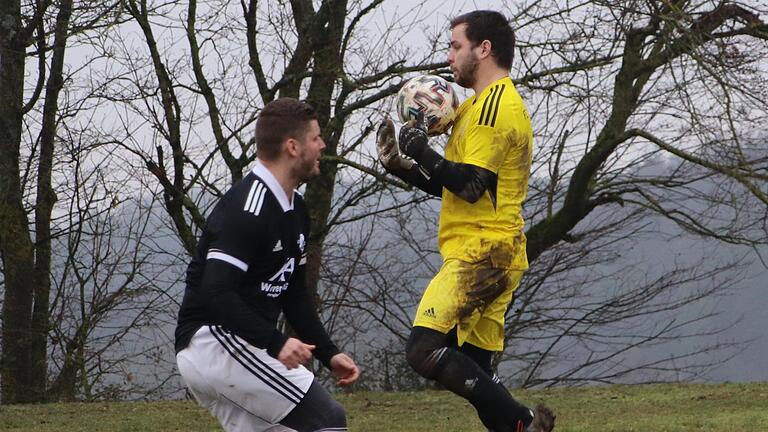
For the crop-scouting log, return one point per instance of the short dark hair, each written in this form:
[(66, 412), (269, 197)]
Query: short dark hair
[(494, 27), (279, 120)]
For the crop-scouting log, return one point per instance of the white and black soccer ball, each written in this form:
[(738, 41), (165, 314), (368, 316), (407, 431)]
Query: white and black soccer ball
[(432, 95)]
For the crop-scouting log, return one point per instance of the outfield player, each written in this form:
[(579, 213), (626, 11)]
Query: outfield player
[(482, 180), (249, 267)]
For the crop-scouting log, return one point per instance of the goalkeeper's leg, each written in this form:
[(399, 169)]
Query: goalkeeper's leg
[(432, 355), (484, 359)]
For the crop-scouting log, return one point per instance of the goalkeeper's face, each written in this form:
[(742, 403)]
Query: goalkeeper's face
[(462, 57)]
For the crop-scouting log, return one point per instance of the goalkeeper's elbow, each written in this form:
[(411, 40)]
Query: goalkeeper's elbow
[(468, 182)]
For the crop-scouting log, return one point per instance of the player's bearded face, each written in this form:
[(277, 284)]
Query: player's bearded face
[(310, 150), (462, 58), (465, 74)]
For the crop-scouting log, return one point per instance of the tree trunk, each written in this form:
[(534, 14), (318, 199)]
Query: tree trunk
[(18, 380), (46, 198), (26, 264), (320, 190), (579, 201)]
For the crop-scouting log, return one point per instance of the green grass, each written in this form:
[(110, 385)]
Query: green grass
[(653, 408)]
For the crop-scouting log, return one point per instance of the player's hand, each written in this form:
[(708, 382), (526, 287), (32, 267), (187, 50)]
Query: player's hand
[(344, 369), (413, 137), (386, 145), (295, 353)]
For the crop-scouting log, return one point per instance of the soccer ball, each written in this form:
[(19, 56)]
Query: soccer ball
[(432, 95)]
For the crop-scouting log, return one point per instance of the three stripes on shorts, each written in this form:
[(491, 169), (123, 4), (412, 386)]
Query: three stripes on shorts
[(239, 351)]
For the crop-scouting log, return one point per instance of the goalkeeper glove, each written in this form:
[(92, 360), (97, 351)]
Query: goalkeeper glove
[(414, 143), (386, 146), (413, 137)]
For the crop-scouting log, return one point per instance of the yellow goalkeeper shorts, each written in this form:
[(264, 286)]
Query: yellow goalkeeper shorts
[(473, 297)]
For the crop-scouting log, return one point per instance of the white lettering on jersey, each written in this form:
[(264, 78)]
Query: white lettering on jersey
[(302, 242), (279, 281), (272, 290), (278, 246)]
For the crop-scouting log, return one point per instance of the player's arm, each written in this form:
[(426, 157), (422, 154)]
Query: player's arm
[(227, 260), (404, 169), (416, 176), (219, 285), (465, 180), (299, 309)]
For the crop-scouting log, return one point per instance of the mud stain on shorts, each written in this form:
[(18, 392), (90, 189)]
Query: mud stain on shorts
[(484, 281)]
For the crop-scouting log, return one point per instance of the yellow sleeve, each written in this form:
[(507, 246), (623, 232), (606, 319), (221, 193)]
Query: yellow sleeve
[(485, 147)]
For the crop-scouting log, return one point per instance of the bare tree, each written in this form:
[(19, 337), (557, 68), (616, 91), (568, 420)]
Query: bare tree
[(109, 296), (658, 45), (27, 263), (65, 272)]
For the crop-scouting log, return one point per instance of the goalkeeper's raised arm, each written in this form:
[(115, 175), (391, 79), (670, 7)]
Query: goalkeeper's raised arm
[(430, 172)]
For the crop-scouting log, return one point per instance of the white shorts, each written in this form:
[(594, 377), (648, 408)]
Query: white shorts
[(245, 388)]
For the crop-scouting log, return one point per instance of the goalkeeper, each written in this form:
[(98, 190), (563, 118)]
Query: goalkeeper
[(482, 180)]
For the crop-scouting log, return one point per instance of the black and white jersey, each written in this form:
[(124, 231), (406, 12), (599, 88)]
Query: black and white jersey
[(250, 265)]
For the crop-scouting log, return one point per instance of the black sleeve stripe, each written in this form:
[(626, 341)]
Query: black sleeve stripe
[(488, 118), (485, 104), (496, 109)]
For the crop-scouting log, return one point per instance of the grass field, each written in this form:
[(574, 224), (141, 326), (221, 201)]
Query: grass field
[(653, 408)]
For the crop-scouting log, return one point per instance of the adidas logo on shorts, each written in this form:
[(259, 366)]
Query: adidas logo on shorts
[(430, 313)]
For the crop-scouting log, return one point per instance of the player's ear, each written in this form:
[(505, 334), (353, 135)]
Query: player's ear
[(485, 48), (291, 147)]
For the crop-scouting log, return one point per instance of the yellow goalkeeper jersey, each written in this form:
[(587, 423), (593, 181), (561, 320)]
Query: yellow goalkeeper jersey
[(492, 130)]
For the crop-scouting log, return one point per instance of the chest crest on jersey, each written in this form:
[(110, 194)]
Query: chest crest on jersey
[(302, 243)]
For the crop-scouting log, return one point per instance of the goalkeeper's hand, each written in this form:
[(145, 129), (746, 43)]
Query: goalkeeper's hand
[(413, 137), (386, 145)]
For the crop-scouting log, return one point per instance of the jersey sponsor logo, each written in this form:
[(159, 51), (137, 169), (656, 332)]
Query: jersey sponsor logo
[(278, 283), (255, 198), (491, 106), (285, 272), (273, 290)]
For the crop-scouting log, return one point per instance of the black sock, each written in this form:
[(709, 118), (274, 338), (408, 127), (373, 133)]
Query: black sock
[(495, 406), (436, 356)]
